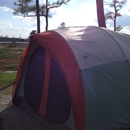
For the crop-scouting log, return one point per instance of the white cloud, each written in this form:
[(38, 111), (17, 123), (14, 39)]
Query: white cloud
[(4, 8), (126, 30), (1, 29), (84, 15), (6, 24), (8, 29), (28, 20), (126, 8), (10, 25), (41, 2)]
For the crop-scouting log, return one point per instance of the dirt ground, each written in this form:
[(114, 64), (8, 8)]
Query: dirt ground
[(14, 118)]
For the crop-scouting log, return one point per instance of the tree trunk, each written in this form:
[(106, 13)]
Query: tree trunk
[(38, 16), (115, 17), (114, 24), (46, 19), (46, 15), (100, 13)]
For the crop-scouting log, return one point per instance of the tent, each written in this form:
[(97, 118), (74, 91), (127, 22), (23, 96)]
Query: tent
[(78, 76)]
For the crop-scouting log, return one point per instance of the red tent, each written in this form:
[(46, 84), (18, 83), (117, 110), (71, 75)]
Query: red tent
[(76, 76)]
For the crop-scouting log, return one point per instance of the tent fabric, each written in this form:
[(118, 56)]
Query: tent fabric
[(58, 47), (107, 98), (78, 76), (89, 45)]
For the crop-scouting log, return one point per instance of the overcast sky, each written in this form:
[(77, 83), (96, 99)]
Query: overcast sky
[(75, 13)]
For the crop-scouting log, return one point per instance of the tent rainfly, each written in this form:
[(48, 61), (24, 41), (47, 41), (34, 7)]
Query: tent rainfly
[(78, 77)]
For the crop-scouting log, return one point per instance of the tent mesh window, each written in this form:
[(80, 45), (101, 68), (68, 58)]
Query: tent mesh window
[(34, 78), (58, 104), (58, 100)]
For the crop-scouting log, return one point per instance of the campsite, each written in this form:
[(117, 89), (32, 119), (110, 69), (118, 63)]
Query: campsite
[(73, 78), (65, 65)]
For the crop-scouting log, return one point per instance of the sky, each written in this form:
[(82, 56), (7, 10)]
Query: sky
[(75, 13)]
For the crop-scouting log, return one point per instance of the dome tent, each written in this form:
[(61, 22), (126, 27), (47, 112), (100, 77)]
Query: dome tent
[(78, 76)]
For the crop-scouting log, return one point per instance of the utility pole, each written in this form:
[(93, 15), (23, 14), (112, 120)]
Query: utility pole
[(38, 16)]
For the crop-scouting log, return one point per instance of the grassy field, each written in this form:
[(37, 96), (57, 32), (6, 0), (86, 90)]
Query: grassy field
[(9, 60)]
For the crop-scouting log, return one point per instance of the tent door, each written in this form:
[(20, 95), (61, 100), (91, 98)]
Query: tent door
[(52, 95)]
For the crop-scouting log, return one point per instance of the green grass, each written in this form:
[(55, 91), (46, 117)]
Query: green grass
[(12, 66), (6, 78), (4, 54), (3, 50), (9, 61)]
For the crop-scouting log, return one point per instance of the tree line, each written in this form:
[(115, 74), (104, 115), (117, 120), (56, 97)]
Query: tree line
[(26, 9)]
